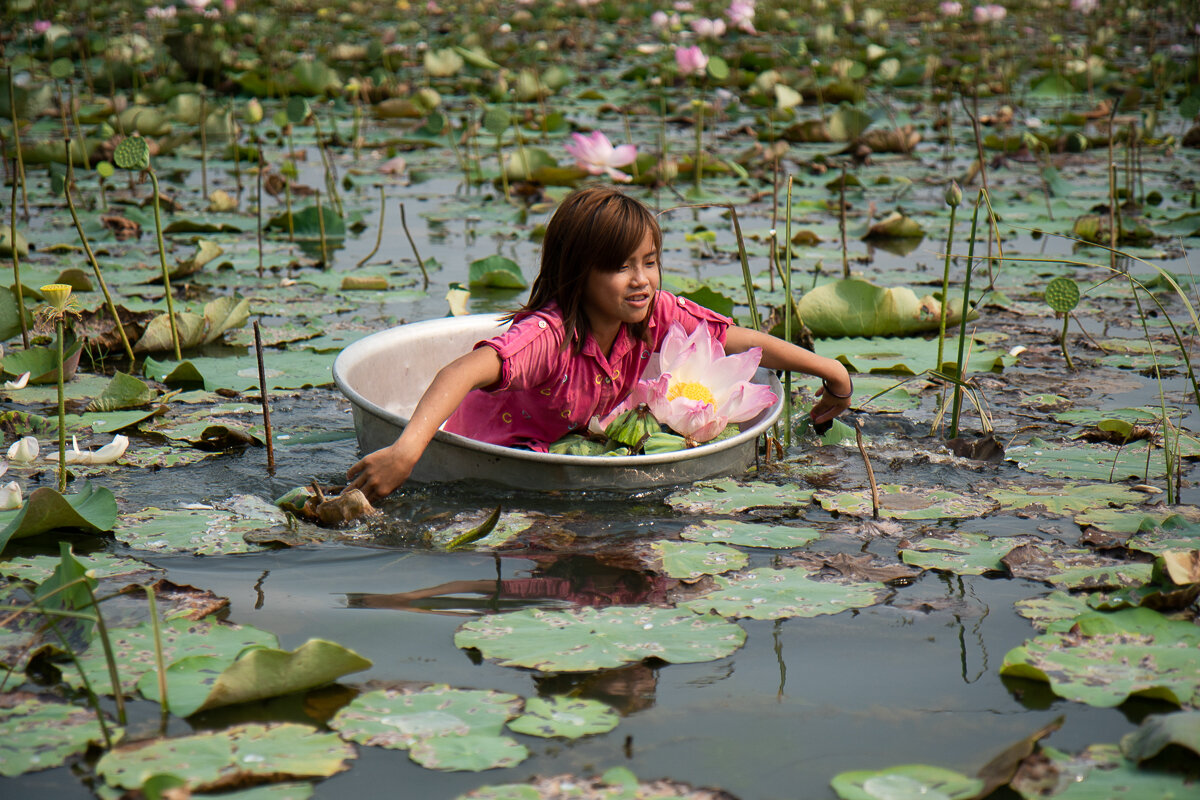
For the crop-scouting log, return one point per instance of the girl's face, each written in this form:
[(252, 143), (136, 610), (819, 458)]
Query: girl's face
[(625, 294)]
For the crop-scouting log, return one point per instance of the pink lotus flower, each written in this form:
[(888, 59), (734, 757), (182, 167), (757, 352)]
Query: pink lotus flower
[(696, 390), (741, 15), (596, 154), (691, 60), (950, 8), (161, 12), (990, 13), (708, 28), (1084, 6), (660, 21)]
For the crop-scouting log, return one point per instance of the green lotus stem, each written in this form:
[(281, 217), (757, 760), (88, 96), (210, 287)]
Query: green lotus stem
[(258, 205), (1062, 341), (330, 171), (503, 174), (962, 328), (203, 145), (16, 259), (87, 248), (162, 258), (321, 227), (237, 150), (160, 662), (787, 319), (109, 659), (697, 167), (379, 232), (357, 124), (755, 322), (93, 700), (458, 156), (62, 411), (12, 108), (946, 290), (87, 161), (841, 225), (521, 149), (413, 245)]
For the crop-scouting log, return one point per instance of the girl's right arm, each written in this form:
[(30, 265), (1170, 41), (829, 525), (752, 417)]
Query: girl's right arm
[(382, 472)]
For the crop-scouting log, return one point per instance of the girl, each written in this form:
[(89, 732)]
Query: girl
[(577, 348)]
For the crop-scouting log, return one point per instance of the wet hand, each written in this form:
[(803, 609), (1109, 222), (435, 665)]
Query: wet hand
[(380, 473)]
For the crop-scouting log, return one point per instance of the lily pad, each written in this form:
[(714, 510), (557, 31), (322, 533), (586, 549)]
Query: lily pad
[(568, 717), (399, 719), (123, 391), (1106, 658), (585, 639), (750, 534), (906, 355), (92, 508), (907, 782), (1054, 612), (767, 593), (730, 497), (100, 565), (496, 272), (907, 502), (198, 683), (286, 369), (1158, 731), (1067, 499), (690, 561), (1171, 535), (854, 307), (1092, 461), (960, 553), (617, 783), (133, 649), (202, 531), (1100, 771), (38, 733), (468, 753), (242, 753)]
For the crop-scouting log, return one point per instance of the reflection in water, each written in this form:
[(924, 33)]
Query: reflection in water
[(570, 580), (627, 689)]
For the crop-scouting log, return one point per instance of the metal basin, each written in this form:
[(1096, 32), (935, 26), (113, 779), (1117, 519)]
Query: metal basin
[(385, 374)]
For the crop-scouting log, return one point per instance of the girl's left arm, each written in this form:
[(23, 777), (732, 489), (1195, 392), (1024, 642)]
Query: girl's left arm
[(778, 354)]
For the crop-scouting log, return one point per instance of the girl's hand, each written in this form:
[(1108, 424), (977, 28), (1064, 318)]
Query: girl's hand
[(829, 405), (381, 473)]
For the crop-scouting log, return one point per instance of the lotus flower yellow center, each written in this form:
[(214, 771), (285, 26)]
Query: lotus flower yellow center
[(692, 391), (57, 294)]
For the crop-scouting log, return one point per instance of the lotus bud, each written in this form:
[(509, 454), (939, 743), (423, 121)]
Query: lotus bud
[(428, 98), (953, 194), (57, 295), (10, 496), (24, 450), (253, 113), (633, 427)]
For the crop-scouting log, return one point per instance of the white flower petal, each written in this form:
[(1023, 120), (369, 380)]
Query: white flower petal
[(10, 496), (24, 450), (19, 383)]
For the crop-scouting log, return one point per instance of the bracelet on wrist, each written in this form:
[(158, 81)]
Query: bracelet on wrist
[(832, 393)]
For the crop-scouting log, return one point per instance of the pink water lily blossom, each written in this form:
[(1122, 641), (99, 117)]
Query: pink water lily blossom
[(741, 15), (950, 8), (596, 154), (708, 28), (1084, 6), (692, 387), (691, 60), (992, 12)]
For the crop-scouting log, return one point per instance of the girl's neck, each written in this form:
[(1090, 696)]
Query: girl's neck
[(605, 337)]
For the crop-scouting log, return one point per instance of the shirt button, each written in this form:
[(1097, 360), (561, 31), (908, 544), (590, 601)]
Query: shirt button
[(681, 300), (608, 380), (541, 323)]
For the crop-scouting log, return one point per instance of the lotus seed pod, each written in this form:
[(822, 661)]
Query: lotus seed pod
[(253, 113), (1062, 294), (953, 194), (57, 295)]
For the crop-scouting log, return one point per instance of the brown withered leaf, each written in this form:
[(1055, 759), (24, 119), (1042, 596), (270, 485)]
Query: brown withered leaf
[(1028, 561), (891, 140), (178, 599), (122, 227), (866, 567), (1001, 770), (1183, 566)]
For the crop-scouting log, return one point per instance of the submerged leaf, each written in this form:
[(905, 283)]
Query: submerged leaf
[(908, 781), (569, 717), (38, 733)]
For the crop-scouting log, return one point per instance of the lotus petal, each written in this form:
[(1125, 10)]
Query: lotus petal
[(19, 383), (24, 450), (10, 496)]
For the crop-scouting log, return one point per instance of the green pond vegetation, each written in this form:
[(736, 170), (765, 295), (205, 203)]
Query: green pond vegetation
[(989, 213)]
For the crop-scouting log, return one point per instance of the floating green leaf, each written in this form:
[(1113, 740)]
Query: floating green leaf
[(1100, 772), (470, 753), (199, 531), (569, 717), (907, 782), (123, 391), (1054, 612), (496, 272), (750, 534), (960, 553), (1158, 731), (101, 565), (767, 593), (730, 497), (907, 502), (92, 508), (585, 639), (854, 307), (1095, 462), (242, 753), (1067, 499), (256, 675), (399, 719), (690, 561), (38, 733), (1106, 658)]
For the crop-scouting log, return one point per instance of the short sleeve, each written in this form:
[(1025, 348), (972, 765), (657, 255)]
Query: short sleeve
[(670, 308), (529, 353)]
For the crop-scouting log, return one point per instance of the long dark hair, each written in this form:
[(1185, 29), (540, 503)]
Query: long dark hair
[(595, 228)]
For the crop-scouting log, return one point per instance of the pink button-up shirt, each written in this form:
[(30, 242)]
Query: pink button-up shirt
[(546, 391)]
